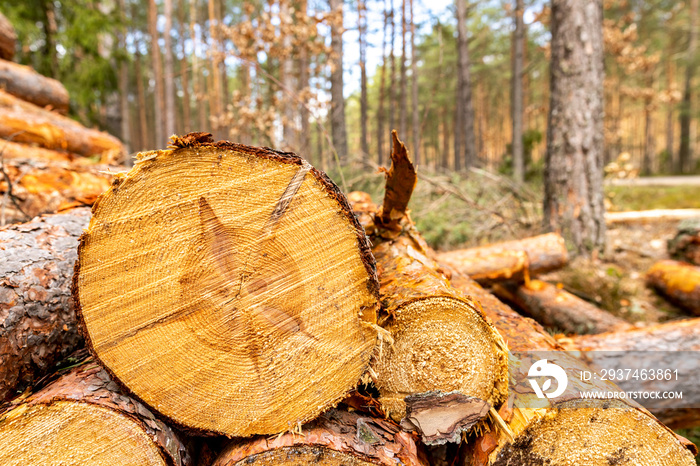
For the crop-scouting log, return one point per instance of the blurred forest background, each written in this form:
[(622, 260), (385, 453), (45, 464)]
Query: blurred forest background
[(277, 73)]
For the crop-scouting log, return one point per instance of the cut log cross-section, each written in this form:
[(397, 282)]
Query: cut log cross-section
[(442, 341), (38, 324), (516, 260), (244, 272), (83, 418), (25, 83)]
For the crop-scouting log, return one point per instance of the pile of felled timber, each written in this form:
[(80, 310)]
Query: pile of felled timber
[(49, 162), (239, 309)]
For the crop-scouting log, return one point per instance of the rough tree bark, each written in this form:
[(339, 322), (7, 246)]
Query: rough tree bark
[(338, 130), (39, 326), (8, 37), (84, 418), (515, 260), (25, 122), (336, 437), (559, 309), (465, 143), (279, 330), (25, 83), (573, 202), (677, 281)]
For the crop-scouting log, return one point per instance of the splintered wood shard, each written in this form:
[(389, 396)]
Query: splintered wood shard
[(239, 270)]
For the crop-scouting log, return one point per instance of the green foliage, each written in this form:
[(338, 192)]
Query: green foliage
[(653, 197)]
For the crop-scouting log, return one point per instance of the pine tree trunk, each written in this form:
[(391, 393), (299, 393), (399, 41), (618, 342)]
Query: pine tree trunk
[(159, 98), (289, 129), (338, 130), (336, 437), (277, 333), (26, 84), (84, 418), (392, 70), (566, 430), (303, 86), (364, 106), (196, 75), (215, 95), (465, 144), (8, 38), (403, 97), (510, 260), (25, 122), (184, 72), (124, 83), (415, 114), (517, 104), (558, 309), (39, 321), (382, 92), (684, 152), (144, 140), (573, 203), (168, 71)]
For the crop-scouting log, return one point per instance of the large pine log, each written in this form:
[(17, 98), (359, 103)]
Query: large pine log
[(510, 260), (28, 123), (568, 430), (16, 150), (37, 317), (670, 343), (49, 187), (441, 340), (23, 82), (679, 282), (337, 437), (8, 37), (83, 418), (242, 271), (559, 309)]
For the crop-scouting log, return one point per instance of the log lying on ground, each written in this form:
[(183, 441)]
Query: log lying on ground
[(557, 308), (19, 151), (679, 282), (685, 246), (337, 437), (441, 341), (25, 122), (83, 418), (37, 317), (8, 37), (510, 260), (23, 82), (242, 271), (49, 187), (568, 430), (669, 343), (650, 216)]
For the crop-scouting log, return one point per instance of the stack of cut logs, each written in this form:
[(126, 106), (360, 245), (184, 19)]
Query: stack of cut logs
[(49, 162), (239, 309)]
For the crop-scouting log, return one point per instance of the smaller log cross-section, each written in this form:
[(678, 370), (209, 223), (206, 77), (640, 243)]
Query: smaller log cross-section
[(229, 287), (83, 418), (442, 343)]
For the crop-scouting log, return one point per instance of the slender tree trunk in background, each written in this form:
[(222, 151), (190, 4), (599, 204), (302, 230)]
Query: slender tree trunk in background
[(382, 92), (684, 153), (215, 97), (289, 130), (466, 156), (337, 101), (49, 48), (223, 73), (517, 104), (445, 156), (362, 30), (196, 78), (124, 82), (649, 140), (573, 201), (392, 69), (459, 119), (169, 74), (159, 107), (145, 143), (302, 87), (184, 72), (403, 104), (415, 124), (670, 130)]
